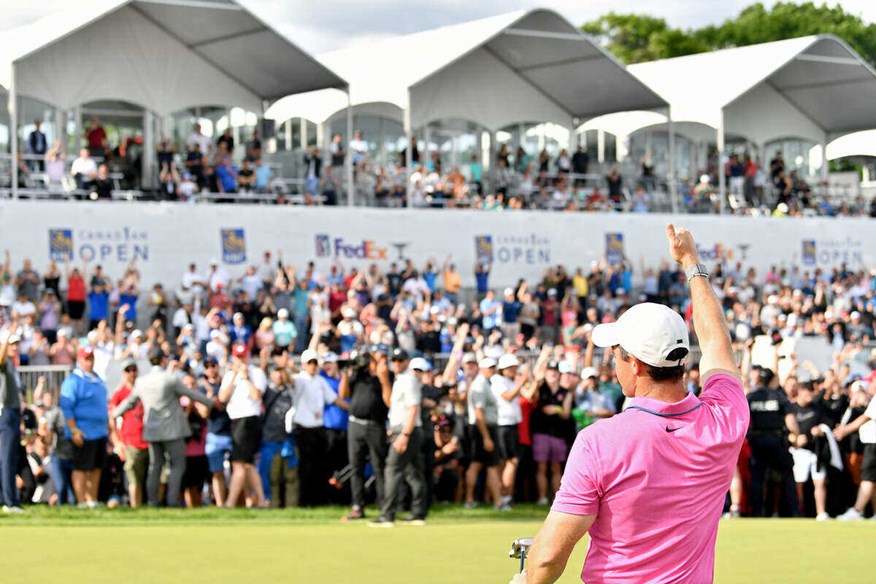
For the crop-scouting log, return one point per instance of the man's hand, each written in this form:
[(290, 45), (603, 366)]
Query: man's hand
[(840, 433), (489, 446), (518, 578), (400, 443), (681, 245), (78, 437)]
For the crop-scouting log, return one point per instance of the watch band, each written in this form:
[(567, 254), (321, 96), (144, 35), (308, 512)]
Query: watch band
[(696, 270)]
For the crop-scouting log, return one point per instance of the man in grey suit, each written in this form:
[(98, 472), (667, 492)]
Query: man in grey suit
[(165, 426)]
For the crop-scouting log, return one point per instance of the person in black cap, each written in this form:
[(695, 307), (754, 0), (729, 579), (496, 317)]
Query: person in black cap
[(771, 419), (366, 382), (404, 463)]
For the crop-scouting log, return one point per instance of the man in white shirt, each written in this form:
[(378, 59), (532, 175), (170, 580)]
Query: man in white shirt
[(404, 463), (242, 389), (312, 394), (506, 387), (865, 425), (84, 170), (196, 137), (358, 147)]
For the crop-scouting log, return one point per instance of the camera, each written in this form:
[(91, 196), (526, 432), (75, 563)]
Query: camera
[(358, 359)]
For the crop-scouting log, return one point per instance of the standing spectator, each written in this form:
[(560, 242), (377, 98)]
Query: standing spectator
[(285, 332), (865, 426), (226, 175), (368, 388), (452, 282), (336, 419), (98, 303), (337, 151), (278, 460), (165, 426), (549, 425), (195, 164), (10, 423), (36, 144), (95, 135), (404, 462), (771, 414), (510, 315), (197, 469), (506, 386), (312, 394), (198, 141), (312, 175), (483, 418), (358, 147), (53, 431), (83, 401), (218, 446), (491, 312), (263, 174), (128, 432), (226, 141), (810, 416), (482, 277), (242, 389), (27, 281)]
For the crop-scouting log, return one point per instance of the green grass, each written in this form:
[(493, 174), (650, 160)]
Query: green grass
[(303, 546)]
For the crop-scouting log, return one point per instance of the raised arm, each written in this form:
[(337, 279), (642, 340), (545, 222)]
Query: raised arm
[(709, 321)]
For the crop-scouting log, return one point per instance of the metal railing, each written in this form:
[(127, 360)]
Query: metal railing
[(54, 374)]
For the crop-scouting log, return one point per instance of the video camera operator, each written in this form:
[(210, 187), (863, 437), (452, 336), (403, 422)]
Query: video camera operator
[(365, 380)]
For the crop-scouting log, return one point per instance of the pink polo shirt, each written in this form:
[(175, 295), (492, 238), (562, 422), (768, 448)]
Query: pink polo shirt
[(656, 477)]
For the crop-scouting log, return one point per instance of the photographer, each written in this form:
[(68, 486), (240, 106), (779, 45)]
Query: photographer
[(366, 382)]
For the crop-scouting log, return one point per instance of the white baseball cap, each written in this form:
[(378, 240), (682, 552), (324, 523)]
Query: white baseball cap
[(308, 356), (348, 313), (649, 332), (565, 367), (283, 313), (420, 364), (589, 372), (506, 361), (330, 358), (487, 363)]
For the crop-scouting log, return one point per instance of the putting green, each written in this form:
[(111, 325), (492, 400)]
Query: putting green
[(311, 546)]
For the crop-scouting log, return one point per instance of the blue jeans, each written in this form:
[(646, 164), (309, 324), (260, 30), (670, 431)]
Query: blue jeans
[(270, 449), (10, 439), (62, 472), (303, 338)]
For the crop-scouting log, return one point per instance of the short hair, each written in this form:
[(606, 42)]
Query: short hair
[(675, 373)]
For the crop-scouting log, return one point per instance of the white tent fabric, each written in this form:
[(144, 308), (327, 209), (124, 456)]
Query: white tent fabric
[(165, 55), (782, 89), (518, 67), (855, 144)]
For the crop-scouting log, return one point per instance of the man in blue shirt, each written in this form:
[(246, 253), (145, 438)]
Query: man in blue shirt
[(335, 419), (482, 277), (84, 403), (262, 176), (98, 305), (226, 176), (285, 331), (510, 311), (491, 312)]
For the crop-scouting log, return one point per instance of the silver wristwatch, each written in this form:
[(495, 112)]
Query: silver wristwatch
[(696, 270)]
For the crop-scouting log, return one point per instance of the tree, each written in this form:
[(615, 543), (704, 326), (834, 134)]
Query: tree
[(636, 38)]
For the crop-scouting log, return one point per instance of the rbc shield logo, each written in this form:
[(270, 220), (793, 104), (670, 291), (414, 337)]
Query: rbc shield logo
[(233, 246), (809, 252), (323, 246), (614, 247), (484, 248), (61, 244)]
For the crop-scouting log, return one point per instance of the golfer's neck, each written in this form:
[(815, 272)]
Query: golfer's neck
[(671, 392)]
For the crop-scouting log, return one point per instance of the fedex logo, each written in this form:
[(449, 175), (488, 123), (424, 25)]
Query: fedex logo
[(364, 250), (714, 253)]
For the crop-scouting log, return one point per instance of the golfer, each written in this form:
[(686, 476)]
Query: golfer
[(649, 484)]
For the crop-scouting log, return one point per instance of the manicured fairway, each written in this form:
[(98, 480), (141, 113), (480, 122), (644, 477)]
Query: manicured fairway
[(312, 546)]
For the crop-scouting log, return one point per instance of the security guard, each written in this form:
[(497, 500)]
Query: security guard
[(771, 418)]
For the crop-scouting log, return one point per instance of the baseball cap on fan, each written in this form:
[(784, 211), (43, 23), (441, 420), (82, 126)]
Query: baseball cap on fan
[(650, 332)]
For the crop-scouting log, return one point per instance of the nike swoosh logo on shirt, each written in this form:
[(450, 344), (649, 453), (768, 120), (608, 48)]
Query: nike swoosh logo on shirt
[(668, 429)]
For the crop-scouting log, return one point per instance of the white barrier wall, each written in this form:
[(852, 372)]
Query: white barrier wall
[(163, 238)]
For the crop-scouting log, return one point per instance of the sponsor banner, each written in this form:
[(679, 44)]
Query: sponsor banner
[(162, 238), (233, 246), (614, 248)]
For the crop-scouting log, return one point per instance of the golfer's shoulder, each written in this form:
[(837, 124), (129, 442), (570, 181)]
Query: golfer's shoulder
[(608, 432), (723, 387)]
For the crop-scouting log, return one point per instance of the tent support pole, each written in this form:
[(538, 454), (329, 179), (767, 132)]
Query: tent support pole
[(600, 145), (13, 133), (722, 179), (409, 153), (673, 187), (348, 159), (825, 167)]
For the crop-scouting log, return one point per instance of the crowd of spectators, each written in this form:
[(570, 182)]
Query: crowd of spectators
[(283, 382), (564, 182)]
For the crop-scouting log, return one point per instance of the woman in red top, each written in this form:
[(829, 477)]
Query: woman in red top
[(75, 296)]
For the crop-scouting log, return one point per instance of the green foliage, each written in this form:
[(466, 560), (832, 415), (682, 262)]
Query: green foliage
[(636, 38)]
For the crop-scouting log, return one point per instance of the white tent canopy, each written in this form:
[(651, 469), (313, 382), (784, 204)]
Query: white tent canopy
[(165, 55), (788, 88), (519, 67)]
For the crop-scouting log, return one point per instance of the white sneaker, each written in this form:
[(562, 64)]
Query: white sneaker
[(14, 510), (542, 502), (851, 515), (822, 517)]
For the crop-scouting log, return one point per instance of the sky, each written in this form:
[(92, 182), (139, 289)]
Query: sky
[(324, 25)]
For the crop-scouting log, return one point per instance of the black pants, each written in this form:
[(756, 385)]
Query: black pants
[(366, 441), (336, 459), (428, 449), (10, 439), (312, 479), (771, 452), (407, 467)]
